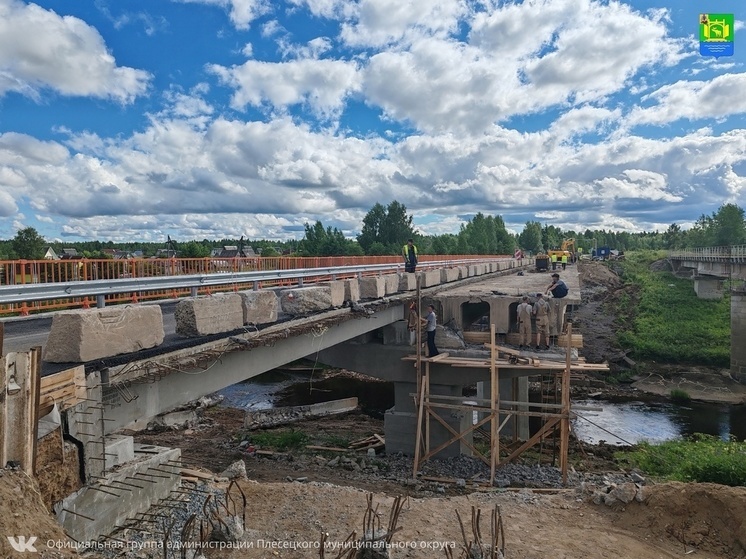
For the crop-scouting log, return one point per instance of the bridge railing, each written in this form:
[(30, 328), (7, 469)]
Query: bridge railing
[(46, 285), (736, 253)]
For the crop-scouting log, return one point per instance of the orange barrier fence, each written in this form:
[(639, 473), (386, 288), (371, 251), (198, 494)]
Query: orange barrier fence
[(21, 272)]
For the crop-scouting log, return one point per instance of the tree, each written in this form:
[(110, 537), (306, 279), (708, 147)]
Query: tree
[(673, 238), (530, 237), (728, 226), (28, 244), (193, 249), (325, 242), (389, 226)]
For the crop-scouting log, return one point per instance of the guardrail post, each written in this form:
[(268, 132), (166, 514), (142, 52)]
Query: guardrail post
[(256, 286), (300, 282), (100, 301), (193, 291)]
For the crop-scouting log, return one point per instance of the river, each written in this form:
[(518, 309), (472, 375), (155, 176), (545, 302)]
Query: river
[(621, 421)]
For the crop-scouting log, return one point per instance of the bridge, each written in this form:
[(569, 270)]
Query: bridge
[(709, 267), (212, 342)]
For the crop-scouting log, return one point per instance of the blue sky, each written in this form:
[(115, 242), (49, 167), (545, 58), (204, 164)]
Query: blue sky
[(221, 118)]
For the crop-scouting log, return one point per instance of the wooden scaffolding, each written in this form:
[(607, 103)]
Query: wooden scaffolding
[(554, 415)]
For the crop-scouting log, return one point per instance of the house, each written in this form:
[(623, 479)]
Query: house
[(235, 252), (70, 254), (50, 254)]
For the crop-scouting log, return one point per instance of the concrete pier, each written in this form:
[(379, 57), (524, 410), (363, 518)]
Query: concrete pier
[(738, 335)]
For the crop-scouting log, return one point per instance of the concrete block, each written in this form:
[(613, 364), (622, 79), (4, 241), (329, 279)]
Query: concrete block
[(392, 283), (372, 287), (84, 335), (407, 282), (259, 307), (430, 278), (352, 290), (305, 300), (337, 289), (201, 316), (473, 270), (448, 275), (463, 272), (102, 511), (119, 450)]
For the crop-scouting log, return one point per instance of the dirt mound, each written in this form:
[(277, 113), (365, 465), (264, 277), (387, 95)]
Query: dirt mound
[(23, 515), (597, 274), (703, 516)]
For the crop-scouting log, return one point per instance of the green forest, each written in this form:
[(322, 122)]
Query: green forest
[(385, 228)]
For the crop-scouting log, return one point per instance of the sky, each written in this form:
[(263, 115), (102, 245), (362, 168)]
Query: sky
[(219, 118)]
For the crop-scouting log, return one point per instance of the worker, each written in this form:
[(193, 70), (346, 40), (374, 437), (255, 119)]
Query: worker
[(559, 291), (413, 322), (431, 322), (564, 261), (524, 312), (541, 312), (554, 261), (409, 252)]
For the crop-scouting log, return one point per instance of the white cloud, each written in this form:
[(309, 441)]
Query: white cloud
[(40, 50), (380, 22), (321, 84), (693, 100), (241, 12)]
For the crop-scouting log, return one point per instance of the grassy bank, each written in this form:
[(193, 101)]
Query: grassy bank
[(664, 321), (702, 459)]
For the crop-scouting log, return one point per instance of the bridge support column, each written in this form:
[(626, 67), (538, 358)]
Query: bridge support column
[(708, 287), (400, 422), (515, 389), (737, 335)]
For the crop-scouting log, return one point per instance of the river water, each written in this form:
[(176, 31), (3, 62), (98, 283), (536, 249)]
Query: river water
[(620, 422)]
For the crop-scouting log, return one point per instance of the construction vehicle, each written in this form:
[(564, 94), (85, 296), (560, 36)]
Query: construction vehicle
[(567, 249)]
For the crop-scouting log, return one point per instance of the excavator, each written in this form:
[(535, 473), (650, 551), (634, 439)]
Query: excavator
[(567, 249)]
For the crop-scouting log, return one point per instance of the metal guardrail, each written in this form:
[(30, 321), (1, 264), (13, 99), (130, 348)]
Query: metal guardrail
[(27, 293), (735, 253)]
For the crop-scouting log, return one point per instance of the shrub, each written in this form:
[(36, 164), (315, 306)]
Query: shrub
[(702, 458), (680, 396)]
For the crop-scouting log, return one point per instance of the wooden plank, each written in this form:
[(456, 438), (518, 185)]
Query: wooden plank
[(439, 357), (66, 388), (329, 448), (196, 474)]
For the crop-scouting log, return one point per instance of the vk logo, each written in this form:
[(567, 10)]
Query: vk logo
[(21, 544)]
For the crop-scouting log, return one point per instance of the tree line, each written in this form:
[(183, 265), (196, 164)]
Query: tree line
[(385, 229)]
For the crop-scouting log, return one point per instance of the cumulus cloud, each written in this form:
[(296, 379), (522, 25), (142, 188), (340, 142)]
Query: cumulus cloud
[(40, 50), (321, 84), (693, 100)]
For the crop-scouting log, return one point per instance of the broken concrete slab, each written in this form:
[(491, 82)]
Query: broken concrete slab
[(306, 300), (430, 278), (372, 287), (352, 290), (280, 416), (407, 282), (181, 419), (448, 275), (201, 316), (259, 307), (337, 289), (84, 335), (392, 283), (445, 338)]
